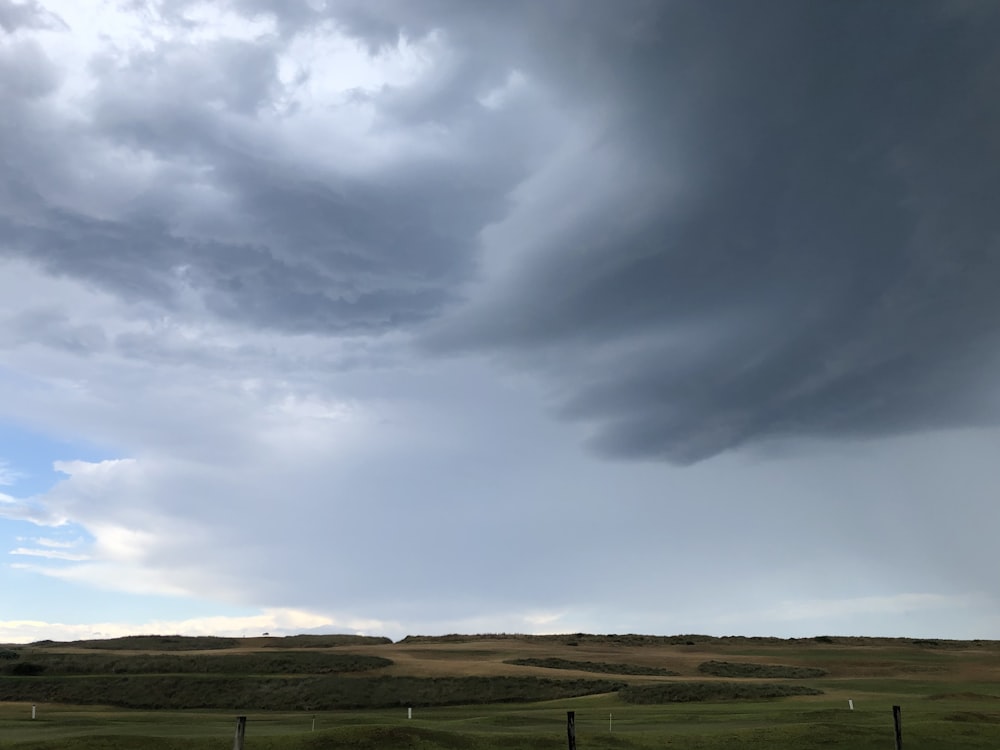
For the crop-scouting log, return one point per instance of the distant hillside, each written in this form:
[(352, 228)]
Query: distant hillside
[(210, 642), (348, 671), (694, 639)]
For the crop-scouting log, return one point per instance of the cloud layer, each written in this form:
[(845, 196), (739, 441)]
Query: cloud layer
[(339, 290)]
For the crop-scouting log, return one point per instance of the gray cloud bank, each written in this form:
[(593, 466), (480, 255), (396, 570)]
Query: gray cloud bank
[(27, 15), (811, 249), (703, 225)]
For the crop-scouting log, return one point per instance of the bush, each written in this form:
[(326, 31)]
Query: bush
[(765, 671), (325, 641), (260, 662), (27, 669), (689, 692), (316, 693)]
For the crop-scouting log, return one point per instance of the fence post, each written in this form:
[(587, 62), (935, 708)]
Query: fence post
[(898, 723), (241, 731), (571, 729)]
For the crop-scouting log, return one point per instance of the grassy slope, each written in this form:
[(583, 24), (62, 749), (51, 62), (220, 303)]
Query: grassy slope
[(950, 693)]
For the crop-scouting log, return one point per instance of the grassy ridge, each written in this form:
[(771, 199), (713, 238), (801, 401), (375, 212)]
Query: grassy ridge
[(695, 639), (592, 666), (148, 643), (687, 692), (211, 642), (296, 693), (320, 641), (766, 671), (35, 662), (575, 639)]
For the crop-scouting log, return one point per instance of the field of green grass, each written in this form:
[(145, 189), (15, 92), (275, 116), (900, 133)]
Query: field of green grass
[(467, 695)]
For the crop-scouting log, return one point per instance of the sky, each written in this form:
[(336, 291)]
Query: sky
[(460, 316)]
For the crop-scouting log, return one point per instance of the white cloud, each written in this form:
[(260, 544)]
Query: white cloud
[(111, 577), (8, 476), (49, 554), (28, 510), (256, 467), (499, 97), (54, 543)]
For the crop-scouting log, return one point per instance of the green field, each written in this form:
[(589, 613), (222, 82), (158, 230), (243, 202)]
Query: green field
[(466, 693)]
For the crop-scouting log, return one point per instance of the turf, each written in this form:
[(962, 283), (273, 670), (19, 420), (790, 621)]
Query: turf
[(949, 692)]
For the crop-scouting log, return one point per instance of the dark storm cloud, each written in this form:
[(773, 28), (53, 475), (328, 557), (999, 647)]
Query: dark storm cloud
[(821, 256), (780, 213)]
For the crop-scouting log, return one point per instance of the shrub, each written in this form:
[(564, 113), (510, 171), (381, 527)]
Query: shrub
[(27, 669), (261, 662), (325, 641), (765, 671), (689, 692), (314, 693)]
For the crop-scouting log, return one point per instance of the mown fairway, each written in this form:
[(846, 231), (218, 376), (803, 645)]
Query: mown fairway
[(949, 693)]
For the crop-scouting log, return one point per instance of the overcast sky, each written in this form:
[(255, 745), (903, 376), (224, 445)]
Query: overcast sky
[(430, 316)]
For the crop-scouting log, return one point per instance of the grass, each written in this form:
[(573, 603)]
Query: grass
[(602, 723), (466, 696), (592, 666)]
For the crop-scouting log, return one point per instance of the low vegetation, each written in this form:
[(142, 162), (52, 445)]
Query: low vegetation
[(299, 693), (592, 666), (765, 671), (687, 692), (211, 643), (575, 639), (50, 663), (319, 641), (174, 693), (148, 643)]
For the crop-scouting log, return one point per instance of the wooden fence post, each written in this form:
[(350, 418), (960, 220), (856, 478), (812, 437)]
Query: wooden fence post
[(241, 731), (571, 729), (898, 723)]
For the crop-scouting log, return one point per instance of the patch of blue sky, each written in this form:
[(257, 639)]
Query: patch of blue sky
[(27, 457), (52, 546), (26, 471)]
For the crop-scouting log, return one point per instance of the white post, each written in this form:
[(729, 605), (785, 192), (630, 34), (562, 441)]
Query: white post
[(610, 716), (409, 713), (314, 723), (850, 704), (32, 710), (241, 732)]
